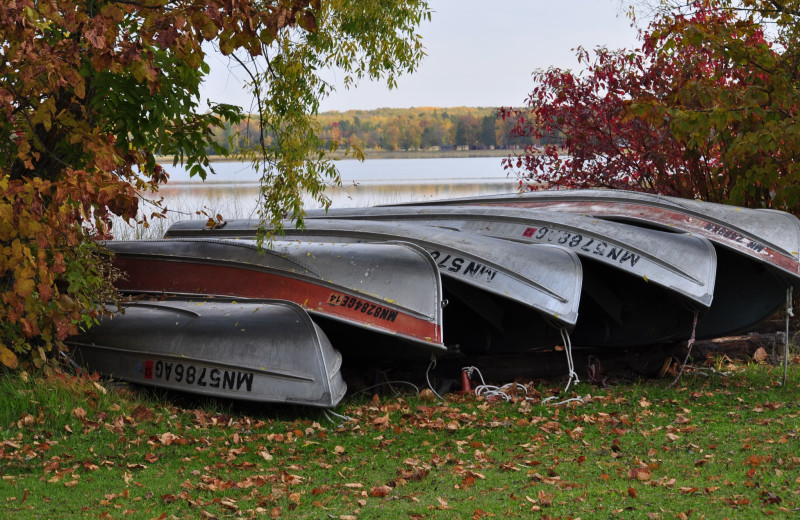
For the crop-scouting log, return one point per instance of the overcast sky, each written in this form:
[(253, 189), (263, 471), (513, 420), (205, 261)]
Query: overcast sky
[(476, 55)]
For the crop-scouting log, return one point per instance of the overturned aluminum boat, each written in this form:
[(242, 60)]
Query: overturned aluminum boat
[(617, 309), (391, 290), (681, 263), (266, 351), (757, 249), (501, 296), (768, 236)]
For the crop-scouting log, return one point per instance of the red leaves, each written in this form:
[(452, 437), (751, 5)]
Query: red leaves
[(685, 114)]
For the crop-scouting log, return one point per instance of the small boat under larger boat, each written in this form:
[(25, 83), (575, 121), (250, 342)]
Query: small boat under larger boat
[(389, 289), (265, 351), (502, 296)]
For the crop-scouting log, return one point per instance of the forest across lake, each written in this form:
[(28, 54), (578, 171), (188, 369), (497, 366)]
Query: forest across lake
[(402, 130)]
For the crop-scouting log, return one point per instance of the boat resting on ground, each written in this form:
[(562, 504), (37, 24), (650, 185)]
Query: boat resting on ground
[(362, 294), (640, 286), (265, 351), (501, 296), (757, 249)]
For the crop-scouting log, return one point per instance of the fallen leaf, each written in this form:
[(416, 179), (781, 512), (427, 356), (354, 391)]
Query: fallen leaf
[(142, 413), (427, 395), (380, 491), (642, 474)]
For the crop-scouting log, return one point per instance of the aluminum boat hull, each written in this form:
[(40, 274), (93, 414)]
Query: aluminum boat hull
[(617, 310), (757, 250), (768, 236), (386, 291), (501, 296), (264, 351)]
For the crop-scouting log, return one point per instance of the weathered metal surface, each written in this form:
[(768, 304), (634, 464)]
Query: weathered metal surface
[(267, 351), (482, 276), (390, 289), (677, 262), (757, 253), (768, 236)]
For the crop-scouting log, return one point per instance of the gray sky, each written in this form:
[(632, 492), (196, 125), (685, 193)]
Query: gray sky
[(477, 56)]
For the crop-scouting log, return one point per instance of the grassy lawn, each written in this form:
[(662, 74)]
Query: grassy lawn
[(713, 447)]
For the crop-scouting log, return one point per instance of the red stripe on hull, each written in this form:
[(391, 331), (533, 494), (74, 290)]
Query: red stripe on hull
[(209, 279), (668, 218)]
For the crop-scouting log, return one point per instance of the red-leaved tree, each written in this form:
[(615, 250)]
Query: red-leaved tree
[(705, 108)]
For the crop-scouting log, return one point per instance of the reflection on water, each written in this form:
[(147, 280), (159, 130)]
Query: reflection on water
[(238, 197)]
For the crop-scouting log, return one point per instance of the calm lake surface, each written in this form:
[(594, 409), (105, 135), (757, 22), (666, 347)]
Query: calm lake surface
[(233, 191)]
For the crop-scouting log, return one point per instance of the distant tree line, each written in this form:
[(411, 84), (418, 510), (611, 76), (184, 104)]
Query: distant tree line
[(406, 129)]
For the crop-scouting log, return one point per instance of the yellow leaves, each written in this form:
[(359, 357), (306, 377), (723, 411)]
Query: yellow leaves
[(8, 358), (44, 115)]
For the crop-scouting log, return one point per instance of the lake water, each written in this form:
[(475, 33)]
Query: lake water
[(233, 190)]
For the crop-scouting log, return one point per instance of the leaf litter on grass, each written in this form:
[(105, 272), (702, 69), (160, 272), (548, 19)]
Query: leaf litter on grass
[(713, 448)]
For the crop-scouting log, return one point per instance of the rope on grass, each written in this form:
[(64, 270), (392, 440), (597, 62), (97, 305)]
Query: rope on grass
[(342, 418), (489, 391)]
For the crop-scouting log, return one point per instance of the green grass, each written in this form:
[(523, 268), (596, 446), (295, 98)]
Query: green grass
[(714, 447)]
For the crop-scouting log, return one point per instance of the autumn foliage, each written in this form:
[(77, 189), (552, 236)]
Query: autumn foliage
[(90, 91), (705, 108)]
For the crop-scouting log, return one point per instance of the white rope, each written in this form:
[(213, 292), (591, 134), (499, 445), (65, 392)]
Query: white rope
[(431, 365), (489, 391), (548, 400), (573, 376), (789, 315), (328, 414)]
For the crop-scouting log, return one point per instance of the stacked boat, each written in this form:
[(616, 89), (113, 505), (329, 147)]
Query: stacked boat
[(503, 275)]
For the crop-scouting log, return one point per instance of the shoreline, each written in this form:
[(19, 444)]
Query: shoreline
[(385, 154)]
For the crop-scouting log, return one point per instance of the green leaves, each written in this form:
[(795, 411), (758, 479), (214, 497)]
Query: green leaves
[(91, 93)]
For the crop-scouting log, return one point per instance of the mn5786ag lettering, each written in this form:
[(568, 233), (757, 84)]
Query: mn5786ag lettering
[(195, 375)]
